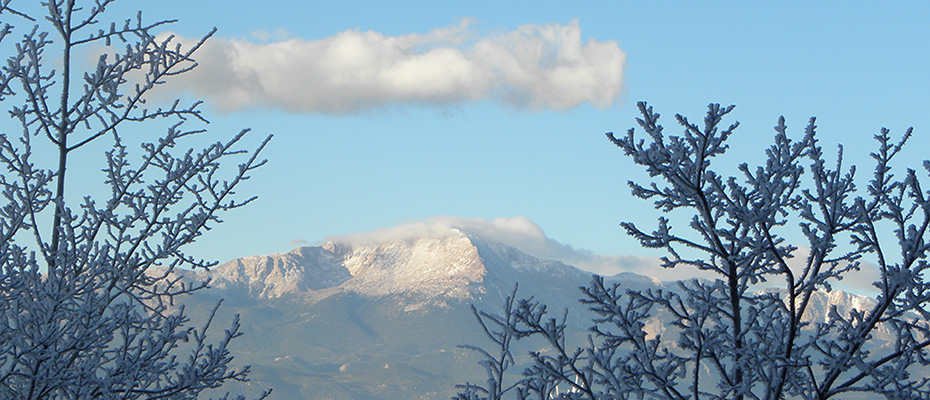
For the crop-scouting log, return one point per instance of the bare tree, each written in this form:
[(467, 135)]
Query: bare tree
[(735, 337), (87, 285)]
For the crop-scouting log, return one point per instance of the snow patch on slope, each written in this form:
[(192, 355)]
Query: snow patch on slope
[(271, 276), (441, 266)]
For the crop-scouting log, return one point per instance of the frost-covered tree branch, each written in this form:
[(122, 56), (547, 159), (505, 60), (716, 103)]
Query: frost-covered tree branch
[(88, 284), (748, 333)]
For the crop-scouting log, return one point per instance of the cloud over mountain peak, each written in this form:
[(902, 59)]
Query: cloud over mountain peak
[(518, 232)]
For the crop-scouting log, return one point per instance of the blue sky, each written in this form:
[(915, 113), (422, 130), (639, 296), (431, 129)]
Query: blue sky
[(507, 151)]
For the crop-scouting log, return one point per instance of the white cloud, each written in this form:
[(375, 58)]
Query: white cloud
[(534, 66), (297, 242)]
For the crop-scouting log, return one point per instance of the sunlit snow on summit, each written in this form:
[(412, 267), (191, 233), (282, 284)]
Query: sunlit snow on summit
[(518, 232)]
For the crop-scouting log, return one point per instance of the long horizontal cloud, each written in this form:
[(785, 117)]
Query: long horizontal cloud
[(534, 66)]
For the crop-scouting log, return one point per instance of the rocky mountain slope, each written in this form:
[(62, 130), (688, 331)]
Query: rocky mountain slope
[(423, 271), (379, 320), (383, 319)]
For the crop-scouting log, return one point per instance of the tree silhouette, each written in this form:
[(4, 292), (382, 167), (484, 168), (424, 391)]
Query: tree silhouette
[(735, 336), (87, 284)]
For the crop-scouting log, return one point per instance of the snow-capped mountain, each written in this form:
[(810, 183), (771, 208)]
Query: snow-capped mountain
[(300, 270), (424, 270), (377, 319), (382, 319)]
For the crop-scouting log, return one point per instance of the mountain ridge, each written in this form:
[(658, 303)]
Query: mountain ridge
[(429, 270), (383, 319)]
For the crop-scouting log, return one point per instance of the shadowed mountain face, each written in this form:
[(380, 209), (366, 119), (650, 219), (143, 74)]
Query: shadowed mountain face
[(382, 320)]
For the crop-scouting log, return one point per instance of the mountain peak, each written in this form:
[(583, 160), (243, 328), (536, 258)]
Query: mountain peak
[(337, 249), (302, 269), (425, 265), (444, 263), (436, 228), (426, 268)]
